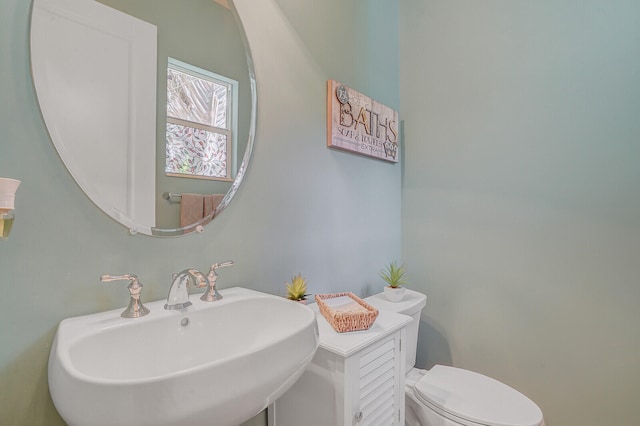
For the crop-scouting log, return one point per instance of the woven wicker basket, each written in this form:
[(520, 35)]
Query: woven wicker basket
[(347, 321)]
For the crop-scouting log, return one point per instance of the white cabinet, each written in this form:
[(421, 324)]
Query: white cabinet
[(355, 378)]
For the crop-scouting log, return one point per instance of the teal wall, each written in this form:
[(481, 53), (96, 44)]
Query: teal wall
[(521, 196), (332, 216)]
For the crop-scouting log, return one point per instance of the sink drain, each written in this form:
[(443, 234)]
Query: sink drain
[(184, 322)]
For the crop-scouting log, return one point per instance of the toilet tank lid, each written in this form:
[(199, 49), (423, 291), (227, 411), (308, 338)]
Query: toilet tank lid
[(473, 397), (411, 303)]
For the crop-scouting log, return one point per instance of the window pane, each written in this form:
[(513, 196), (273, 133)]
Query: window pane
[(194, 151), (195, 99)]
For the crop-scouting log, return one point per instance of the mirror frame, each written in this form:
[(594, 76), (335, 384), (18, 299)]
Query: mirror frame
[(135, 228)]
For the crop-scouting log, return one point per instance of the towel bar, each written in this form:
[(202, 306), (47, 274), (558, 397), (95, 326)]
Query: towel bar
[(170, 196)]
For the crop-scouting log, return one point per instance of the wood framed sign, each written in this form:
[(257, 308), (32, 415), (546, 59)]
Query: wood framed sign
[(359, 124)]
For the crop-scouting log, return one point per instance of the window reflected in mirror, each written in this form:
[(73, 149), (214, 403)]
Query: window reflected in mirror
[(200, 133)]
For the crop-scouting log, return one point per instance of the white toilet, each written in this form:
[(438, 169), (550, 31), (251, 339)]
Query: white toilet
[(448, 396)]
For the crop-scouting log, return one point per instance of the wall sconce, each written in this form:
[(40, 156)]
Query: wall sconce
[(8, 188)]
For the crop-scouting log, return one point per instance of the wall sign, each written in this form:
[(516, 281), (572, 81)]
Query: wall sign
[(359, 124)]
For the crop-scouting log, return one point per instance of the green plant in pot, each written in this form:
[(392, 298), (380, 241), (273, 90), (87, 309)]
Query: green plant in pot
[(297, 289), (394, 276)]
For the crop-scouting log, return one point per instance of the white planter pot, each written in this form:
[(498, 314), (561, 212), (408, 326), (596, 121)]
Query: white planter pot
[(394, 294)]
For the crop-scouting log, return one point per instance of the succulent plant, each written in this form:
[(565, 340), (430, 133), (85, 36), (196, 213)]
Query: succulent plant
[(394, 275), (297, 289)]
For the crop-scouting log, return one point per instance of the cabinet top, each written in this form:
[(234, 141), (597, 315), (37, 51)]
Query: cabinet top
[(348, 343)]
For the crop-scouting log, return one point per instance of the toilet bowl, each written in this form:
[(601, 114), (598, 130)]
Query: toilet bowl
[(449, 396)]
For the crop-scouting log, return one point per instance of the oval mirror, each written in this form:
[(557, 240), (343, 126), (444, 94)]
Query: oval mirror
[(150, 104)]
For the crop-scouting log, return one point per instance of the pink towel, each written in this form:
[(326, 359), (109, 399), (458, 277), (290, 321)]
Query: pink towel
[(211, 203), (195, 207), (191, 209)]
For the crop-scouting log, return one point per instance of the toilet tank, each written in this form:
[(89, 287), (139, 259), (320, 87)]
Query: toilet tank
[(410, 305)]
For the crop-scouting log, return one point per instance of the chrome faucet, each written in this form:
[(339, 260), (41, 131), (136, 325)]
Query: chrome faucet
[(178, 297), (211, 292)]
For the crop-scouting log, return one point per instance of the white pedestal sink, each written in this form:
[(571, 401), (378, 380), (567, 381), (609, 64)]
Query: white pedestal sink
[(217, 363)]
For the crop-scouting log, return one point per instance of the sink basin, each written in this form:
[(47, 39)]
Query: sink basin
[(217, 363)]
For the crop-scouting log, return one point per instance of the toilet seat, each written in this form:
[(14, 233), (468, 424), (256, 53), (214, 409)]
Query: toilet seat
[(473, 399)]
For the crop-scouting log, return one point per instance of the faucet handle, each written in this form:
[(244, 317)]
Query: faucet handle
[(211, 292), (135, 308), (107, 278), (219, 265)]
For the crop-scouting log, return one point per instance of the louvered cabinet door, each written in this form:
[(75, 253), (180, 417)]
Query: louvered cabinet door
[(354, 379), (375, 378)]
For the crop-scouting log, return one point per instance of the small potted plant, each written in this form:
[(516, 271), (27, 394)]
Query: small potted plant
[(297, 289), (394, 276)]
